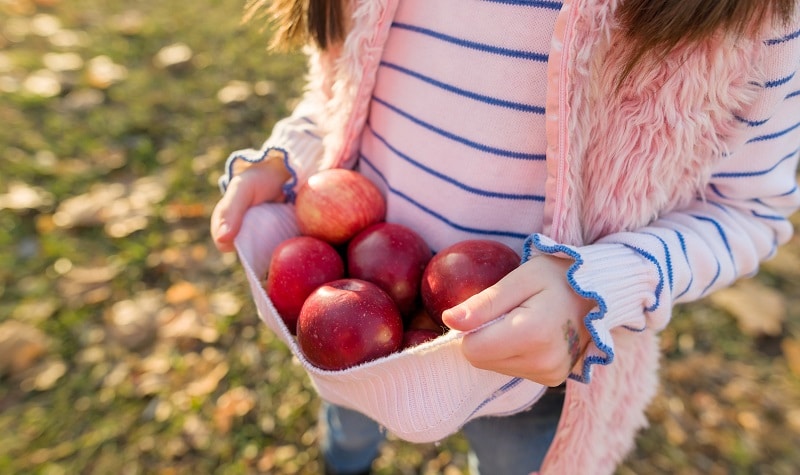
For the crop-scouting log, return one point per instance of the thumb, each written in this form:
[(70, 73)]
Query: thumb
[(226, 219), (485, 306), (480, 309)]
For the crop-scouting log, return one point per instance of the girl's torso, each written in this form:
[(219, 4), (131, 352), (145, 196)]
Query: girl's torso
[(455, 132)]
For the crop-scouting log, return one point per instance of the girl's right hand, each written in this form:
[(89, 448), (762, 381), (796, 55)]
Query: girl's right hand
[(260, 183)]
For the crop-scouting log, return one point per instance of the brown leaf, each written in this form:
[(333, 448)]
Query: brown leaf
[(208, 382), (791, 351), (85, 285), (122, 209), (235, 403), (44, 375), (758, 309), (22, 196), (87, 209), (186, 325), (181, 292), (21, 346), (133, 322)]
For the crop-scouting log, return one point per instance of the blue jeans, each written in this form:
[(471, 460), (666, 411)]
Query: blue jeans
[(508, 445)]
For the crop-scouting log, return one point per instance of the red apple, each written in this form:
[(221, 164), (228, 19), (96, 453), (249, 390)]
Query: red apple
[(421, 320), (335, 204), (392, 256), (348, 322), (416, 337), (462, 270), (297, 267)]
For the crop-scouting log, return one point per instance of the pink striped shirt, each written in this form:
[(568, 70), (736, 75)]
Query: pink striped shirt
[(460, 179)]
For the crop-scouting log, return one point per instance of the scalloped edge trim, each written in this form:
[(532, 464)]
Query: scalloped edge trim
[(586, 374), (247, 156)]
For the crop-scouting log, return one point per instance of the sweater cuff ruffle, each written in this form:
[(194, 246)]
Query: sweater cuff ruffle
[(291, 155), (624, 285), (240, 160)]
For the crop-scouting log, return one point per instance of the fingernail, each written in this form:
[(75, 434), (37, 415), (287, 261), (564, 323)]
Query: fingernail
[(224, 229), (455, 314)]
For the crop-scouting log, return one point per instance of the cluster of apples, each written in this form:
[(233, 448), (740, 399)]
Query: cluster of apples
[(353, 288)]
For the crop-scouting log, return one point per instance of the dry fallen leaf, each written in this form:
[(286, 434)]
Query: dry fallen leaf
[(23, 196), (21, 346), (84, 285), (791, 351), (758, 309), (133, 322), (122, 209), (235, 403), (181, 292)]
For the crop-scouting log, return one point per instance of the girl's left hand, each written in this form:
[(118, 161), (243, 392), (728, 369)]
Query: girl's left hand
[(542, 335)]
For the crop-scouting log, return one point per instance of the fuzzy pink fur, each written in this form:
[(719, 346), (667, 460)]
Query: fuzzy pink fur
[(630, 142)]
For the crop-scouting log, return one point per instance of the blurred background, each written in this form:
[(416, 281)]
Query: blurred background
[(128, 345)]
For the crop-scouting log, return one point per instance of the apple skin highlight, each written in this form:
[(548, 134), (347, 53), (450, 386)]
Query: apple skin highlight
[(335, 204), (461, 270), (348, 322)]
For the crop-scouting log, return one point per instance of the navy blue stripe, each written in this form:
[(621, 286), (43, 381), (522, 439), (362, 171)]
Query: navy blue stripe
[(750, 123), (775, 135), (654, 261), (463, 92), (793, 94), (485, 232), (792, 191), (668, 258), (452, 181), (529, 55), (721, 232), (714, 280), (682, 241), (459, 139), (756, 173), (771, 217), (530, 3), (716, 191), (499, 392), (783, 39), (780, 81)]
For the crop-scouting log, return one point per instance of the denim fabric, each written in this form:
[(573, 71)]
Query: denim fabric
[(515, 444), (498, 445), (350, 441)]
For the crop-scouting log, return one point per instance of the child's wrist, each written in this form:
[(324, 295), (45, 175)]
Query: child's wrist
[(273, 165)]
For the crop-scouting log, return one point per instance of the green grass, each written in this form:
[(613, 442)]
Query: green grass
[(150, 148)]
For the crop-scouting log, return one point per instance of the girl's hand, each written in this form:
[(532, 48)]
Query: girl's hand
[(542, 335), (257, 184)]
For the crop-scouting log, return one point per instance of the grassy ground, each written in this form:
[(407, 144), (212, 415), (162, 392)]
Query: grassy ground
[(129, 345)]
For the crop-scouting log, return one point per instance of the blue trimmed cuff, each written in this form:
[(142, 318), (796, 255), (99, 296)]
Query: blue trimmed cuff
[(620, 281), (241, 159)]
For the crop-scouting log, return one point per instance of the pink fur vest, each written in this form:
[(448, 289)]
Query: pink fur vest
[(615, 162)]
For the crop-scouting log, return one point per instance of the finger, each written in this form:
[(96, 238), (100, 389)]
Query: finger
[(520, 367), (490, 303), (226, 219), (529, 342)]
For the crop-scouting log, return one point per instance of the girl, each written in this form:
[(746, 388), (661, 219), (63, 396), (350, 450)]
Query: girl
[(636, 153)]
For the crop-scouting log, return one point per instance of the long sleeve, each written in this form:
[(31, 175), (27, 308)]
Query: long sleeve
[(296, 139), (636, 277)]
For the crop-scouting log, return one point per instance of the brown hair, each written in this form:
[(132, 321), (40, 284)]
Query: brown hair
[(661, 25), (300, 21), (652, 25)]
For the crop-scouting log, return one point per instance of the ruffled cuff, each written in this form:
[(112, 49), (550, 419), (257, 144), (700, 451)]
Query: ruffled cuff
[(624, 283), (299, 156), (240, 160)]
